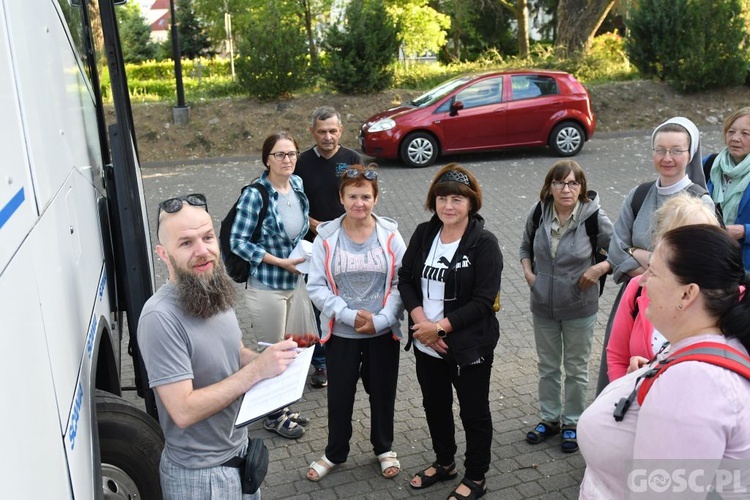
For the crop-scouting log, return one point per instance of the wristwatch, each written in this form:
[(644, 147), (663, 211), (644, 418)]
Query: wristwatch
[(440, 332)]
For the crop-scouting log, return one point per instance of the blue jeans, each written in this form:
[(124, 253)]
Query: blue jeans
[(213, 483), (568, 343)]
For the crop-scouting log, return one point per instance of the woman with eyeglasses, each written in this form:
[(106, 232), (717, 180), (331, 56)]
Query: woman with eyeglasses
[(273, 275), (675, 147), (448, 281), (676, 155), (353, 278), (729, 178), (559, 258), (695, 414)]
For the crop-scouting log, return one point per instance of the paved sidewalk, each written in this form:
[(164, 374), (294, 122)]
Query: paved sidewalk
[(511, 183)]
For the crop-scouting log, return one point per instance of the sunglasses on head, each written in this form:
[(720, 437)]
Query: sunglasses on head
[(173, 205), (368, 174)]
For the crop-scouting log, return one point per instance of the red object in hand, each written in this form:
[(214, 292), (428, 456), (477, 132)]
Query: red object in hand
[(303, 340)]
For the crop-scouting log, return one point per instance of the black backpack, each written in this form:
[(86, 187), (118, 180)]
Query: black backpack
[(592, 231), (237, 267)]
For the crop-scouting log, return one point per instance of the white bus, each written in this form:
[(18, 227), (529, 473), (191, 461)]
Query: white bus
[(75, 261)]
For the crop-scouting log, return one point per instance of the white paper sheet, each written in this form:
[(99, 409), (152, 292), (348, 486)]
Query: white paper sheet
[(272, 394)]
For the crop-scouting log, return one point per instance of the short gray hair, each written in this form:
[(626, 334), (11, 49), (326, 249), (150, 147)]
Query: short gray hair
[(323, 113)]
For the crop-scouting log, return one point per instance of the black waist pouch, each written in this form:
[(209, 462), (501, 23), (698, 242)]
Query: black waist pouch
[(253, 468)]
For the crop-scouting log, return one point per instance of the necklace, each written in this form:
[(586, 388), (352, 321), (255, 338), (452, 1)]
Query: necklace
[(286, 197)]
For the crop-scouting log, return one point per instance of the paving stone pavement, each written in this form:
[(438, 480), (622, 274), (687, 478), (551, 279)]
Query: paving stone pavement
[(614, 163)]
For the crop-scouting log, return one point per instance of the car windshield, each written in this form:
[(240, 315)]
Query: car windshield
[(440, 91)]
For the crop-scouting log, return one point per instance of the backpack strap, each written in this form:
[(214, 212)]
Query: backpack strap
[(263, 210), (536, 221), (708, 352), (599, 255), (640, 194), (707, 164)]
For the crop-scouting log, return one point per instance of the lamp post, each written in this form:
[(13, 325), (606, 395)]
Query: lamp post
[(181, 112)]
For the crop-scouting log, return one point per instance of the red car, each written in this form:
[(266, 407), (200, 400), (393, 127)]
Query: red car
[(483, 112)]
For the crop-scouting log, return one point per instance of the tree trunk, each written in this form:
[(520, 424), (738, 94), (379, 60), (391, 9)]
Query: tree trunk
[(522, 18), (577, 22), (306, 7)]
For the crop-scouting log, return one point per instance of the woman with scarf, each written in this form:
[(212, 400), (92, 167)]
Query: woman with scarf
[(730, 177)]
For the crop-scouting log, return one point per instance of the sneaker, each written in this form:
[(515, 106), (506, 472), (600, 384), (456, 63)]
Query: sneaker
[(319, 378), (284, 427), (296, 417)]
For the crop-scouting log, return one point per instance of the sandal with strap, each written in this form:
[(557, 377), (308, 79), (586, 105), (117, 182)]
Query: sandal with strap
[(477, 490), (569, 439), (542, 431), (389, 460), (321, 467), (441, 474)]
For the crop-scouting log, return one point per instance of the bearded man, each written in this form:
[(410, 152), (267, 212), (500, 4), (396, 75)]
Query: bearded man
[(197, 364)]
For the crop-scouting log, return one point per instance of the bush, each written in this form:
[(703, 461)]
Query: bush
[(273, 56), (361, 58), (694, 44)]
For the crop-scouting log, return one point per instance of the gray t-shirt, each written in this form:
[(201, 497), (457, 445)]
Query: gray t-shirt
[(359, 271), (290, 213), (178, 347)]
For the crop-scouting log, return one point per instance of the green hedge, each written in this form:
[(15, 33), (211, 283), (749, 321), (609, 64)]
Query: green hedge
[(154, 81)]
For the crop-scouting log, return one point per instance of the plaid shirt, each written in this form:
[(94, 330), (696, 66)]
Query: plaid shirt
[(273, 237)]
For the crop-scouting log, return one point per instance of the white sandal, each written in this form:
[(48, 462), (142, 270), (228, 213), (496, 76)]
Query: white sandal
[(321, 467), (387, 460)]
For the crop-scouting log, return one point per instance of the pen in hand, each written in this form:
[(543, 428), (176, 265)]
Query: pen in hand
[(268, 344)]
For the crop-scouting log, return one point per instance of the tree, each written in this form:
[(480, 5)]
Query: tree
[(422, 27), (194, 40), (272, 58), (520, 9), (312, 10), (362, 54), (695, 44), (135, 34), (577, 23)]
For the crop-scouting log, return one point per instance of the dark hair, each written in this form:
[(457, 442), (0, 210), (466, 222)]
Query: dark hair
[(715, 265), (271, 141), (359, 180), (559, 172), (672, 127), (445, 184)]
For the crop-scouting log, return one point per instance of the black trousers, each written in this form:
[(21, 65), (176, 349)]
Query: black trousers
[(437, 377), (376, 361)]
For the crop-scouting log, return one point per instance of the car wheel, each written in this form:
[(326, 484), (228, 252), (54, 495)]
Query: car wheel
[(419, 150), (130, 445), (567, 139)]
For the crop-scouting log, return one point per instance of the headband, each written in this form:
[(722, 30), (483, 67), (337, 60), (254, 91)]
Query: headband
[(454, 176)]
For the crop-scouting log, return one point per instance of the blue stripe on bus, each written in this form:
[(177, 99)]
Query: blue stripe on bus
[(9, 209)]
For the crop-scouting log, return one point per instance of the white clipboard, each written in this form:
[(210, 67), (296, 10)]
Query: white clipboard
[(275, 393)]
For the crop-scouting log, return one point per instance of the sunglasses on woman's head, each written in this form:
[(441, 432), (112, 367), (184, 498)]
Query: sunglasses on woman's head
[(173, 205), (368, 174)]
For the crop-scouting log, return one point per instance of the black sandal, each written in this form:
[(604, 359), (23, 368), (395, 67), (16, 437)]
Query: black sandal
[(569, 439), (441, 474), (542, 431), (478, 490)]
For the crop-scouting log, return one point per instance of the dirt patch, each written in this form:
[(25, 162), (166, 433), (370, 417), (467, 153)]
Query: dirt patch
[(237, 127)]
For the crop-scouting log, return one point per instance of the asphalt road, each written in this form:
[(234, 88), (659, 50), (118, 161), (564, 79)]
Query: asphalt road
[(511, 181)]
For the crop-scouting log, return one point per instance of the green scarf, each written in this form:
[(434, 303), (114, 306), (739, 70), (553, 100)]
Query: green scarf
[(739, 174)]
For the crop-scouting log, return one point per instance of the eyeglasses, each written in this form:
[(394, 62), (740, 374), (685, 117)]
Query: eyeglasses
[(671, 152), (368, 174), (560, 185), (280, 155), (173, 205)]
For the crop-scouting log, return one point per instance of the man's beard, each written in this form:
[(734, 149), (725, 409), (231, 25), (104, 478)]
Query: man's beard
[(204, 295)]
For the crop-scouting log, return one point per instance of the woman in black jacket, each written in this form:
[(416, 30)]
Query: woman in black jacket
[(448, 281)]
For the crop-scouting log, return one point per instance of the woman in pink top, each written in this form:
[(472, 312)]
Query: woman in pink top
[(695, 414), (632, 334)]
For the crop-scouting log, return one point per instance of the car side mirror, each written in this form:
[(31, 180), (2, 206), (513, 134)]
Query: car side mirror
[(456, 107)]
